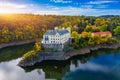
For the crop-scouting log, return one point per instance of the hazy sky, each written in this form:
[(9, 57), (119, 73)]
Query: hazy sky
[(62, 7)]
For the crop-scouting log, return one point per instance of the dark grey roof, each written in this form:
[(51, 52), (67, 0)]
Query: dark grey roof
[(53, 32)]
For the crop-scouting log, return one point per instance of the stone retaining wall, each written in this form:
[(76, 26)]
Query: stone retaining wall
[(68, 55)]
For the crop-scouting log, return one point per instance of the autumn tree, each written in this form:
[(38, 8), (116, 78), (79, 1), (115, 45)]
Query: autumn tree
[(30, 55), (100, 21), (86, 34), (76, 37), (18, 27), (89, 28), (37, 46)]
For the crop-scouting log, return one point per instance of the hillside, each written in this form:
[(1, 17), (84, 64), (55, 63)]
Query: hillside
[(17, 27)]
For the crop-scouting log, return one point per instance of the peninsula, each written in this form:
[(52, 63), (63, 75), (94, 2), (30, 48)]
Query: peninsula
[(74, 35), (62, 44)]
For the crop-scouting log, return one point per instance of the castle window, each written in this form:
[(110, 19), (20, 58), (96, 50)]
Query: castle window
[(46, 38)]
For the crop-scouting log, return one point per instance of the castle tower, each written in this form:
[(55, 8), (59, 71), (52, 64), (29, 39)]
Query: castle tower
[(69, 29)]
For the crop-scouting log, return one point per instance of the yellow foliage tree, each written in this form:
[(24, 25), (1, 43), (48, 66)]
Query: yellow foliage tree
[(75, 34), (86, 34), (37, 46), (30, 55)]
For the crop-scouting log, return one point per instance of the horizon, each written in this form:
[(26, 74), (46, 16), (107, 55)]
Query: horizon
[(61, 7), (8, 14)]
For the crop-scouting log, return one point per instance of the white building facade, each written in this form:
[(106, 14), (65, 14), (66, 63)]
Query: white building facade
[(56, 39)]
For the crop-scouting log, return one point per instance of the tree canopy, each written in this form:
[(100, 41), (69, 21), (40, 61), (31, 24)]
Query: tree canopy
[(117, 30), (17, 27)]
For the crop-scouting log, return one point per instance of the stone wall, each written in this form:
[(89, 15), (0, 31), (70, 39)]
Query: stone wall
[(68, 55), (52, 55), (53, 46), (58, 46)]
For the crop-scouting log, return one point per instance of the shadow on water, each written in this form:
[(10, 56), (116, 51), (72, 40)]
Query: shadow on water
[(14, 52), (49, 67), (61, 69)]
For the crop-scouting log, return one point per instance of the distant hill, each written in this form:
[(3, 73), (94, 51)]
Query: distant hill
[(109, 16)]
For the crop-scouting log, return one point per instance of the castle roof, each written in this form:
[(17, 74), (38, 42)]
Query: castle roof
[(53, 32)]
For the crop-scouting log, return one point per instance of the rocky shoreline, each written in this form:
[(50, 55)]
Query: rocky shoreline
[(68, 55), (3, 45)]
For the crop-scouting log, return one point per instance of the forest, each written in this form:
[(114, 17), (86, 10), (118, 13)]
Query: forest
[(18, 27)]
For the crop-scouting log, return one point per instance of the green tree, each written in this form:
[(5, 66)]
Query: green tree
[(117, 30), (75, 34), (30, 55), (104, 27), (76, 37), (89, 28)]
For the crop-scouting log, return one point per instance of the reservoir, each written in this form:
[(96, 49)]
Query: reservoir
[(103, 64)]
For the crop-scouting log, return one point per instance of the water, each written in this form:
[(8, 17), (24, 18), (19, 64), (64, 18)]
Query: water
[(98, 65)]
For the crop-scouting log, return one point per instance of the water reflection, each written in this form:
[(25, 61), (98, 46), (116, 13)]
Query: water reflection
[(50, 70), (97, 62), (14, 52), (100, 65), (9, 71), (88, 66)]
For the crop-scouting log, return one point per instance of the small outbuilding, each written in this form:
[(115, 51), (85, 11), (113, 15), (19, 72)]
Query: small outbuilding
[(102, 34)]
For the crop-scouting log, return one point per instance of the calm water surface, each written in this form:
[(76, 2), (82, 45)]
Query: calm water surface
[(98, 65)]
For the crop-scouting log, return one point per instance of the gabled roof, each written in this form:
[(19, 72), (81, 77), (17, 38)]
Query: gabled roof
[(100, 33), (53, 32)]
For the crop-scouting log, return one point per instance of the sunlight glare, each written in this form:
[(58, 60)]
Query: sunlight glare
[(6, 8)]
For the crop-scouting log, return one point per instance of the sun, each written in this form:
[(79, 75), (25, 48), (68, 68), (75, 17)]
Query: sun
[(6, 8), (6, 11)]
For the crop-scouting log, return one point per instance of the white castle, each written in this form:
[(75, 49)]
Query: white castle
[(56, 39)]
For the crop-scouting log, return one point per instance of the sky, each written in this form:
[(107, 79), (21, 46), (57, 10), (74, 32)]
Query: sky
[(61, 7)]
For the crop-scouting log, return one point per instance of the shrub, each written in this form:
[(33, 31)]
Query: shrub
[(30, 55)]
